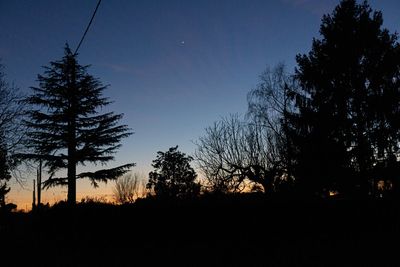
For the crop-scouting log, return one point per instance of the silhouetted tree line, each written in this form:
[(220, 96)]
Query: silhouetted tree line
[(332, 126)]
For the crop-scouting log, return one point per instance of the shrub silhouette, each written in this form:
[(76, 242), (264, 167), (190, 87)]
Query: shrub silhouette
[(173, 176)]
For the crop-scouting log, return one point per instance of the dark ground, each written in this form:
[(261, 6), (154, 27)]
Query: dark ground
[(245, 230)]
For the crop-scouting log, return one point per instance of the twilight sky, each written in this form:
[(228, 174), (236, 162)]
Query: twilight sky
[(174, 67)]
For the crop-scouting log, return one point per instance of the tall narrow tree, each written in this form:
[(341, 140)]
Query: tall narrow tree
[(66, 128)]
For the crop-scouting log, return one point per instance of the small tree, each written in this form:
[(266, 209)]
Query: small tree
[(173, 176), (66, 128), (128, 188), (233, 153)]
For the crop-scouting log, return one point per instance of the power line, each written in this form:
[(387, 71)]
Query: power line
[(87, 28)]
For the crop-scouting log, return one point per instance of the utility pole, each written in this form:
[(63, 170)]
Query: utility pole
[(39, 184), (34, 196)]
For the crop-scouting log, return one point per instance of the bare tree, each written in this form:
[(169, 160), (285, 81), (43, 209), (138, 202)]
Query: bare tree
[(271, 104), (12, 133), (128, 188), (234, 152), (255, 149), (271, 100), (216, 153)]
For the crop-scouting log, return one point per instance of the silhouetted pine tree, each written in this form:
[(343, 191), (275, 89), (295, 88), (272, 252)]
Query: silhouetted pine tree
[(66, 128), (349, 115)]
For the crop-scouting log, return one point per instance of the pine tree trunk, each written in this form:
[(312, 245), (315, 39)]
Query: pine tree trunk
[(72, 164), (72, 140), (39, 185), (71, 183)]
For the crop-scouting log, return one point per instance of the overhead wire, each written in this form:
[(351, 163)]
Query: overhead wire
[(87, 28)]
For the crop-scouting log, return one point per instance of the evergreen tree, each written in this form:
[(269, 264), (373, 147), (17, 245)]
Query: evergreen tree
[(348, 117), (66, 129), (173, 176)]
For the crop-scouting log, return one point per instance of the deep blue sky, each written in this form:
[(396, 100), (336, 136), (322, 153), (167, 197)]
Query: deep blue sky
[(174, 67)]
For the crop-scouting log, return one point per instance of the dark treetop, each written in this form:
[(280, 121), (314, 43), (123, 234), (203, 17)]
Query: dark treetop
[(347, 124), (173, 176)]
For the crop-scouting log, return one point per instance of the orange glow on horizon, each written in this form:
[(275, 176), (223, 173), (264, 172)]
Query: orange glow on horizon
[(333, 193), (23, 197)]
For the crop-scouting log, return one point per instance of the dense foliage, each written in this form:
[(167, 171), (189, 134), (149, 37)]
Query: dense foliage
[(347, 126), (173, 176)]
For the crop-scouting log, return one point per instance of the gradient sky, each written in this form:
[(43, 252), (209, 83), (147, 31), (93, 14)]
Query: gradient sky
[(174, 67)]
